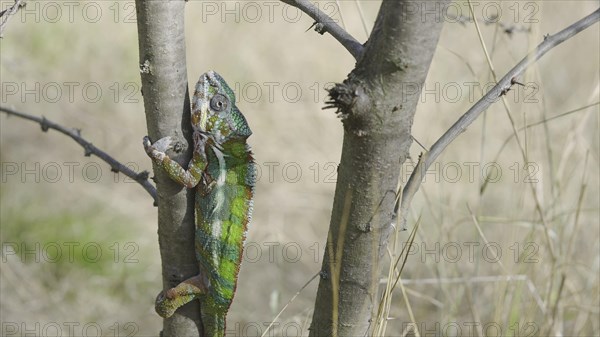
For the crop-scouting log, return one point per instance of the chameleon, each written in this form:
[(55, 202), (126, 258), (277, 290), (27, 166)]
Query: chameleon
[(223, 172)]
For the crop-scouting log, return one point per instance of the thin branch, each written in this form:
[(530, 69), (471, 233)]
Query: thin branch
[(90, 149), (324, 23), (503, 86), (7, 13), (508, 29)]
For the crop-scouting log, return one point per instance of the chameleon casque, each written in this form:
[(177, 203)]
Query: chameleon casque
[(223, 173)]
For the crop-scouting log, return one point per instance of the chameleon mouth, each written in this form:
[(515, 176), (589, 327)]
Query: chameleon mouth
[(200, 92)]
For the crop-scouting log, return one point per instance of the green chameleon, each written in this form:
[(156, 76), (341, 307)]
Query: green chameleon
[(223, 172)]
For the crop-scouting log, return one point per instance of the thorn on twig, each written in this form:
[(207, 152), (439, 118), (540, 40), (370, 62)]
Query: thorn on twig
[(114, 169), (320, 28), (311, 26), (546, 36), (326, 24), (513, 81), (44, 124), (87, 151), (143, 176)]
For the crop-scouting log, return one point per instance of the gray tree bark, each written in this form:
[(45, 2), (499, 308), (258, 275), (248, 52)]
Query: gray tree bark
[(377, 103), (166, 101)]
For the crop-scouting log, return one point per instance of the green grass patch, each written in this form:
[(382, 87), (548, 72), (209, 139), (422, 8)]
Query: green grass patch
[(92, 239)]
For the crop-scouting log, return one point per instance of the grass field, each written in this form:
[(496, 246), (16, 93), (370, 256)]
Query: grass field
[(79, 243)]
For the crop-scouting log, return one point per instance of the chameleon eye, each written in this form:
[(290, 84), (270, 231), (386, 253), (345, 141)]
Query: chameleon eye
[(219, 103)]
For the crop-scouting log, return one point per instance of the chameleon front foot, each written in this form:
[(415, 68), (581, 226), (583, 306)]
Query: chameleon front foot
[(158, 149), (167, 302)]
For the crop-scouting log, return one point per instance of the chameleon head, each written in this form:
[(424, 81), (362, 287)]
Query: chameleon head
[(214, 111)]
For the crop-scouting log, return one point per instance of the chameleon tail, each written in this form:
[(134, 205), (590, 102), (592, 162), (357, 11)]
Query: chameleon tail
[(212, 323), (169, 301)]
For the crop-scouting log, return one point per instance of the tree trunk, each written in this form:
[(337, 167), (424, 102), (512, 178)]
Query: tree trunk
[(166, 101), (377, 103)]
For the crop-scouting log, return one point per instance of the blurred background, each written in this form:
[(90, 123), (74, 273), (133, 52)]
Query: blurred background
[(79, 243)]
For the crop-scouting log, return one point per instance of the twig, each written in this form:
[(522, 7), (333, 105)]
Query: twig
[(507, 29), (90, 149), (7, 13), (503, 86), (324, 23)]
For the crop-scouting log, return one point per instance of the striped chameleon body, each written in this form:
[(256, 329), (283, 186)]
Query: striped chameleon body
[(223, 172)]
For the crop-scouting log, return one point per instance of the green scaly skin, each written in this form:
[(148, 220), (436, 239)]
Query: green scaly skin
[(223, 172)]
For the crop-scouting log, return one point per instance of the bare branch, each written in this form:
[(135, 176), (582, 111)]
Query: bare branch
[(503, 86), (324, 23), (508, 29), (7, 13), (90, 149)]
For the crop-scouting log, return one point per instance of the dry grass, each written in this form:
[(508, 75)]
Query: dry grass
[(545, 279)]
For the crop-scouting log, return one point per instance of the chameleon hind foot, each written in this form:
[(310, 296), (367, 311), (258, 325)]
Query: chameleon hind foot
[(167, 302)]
